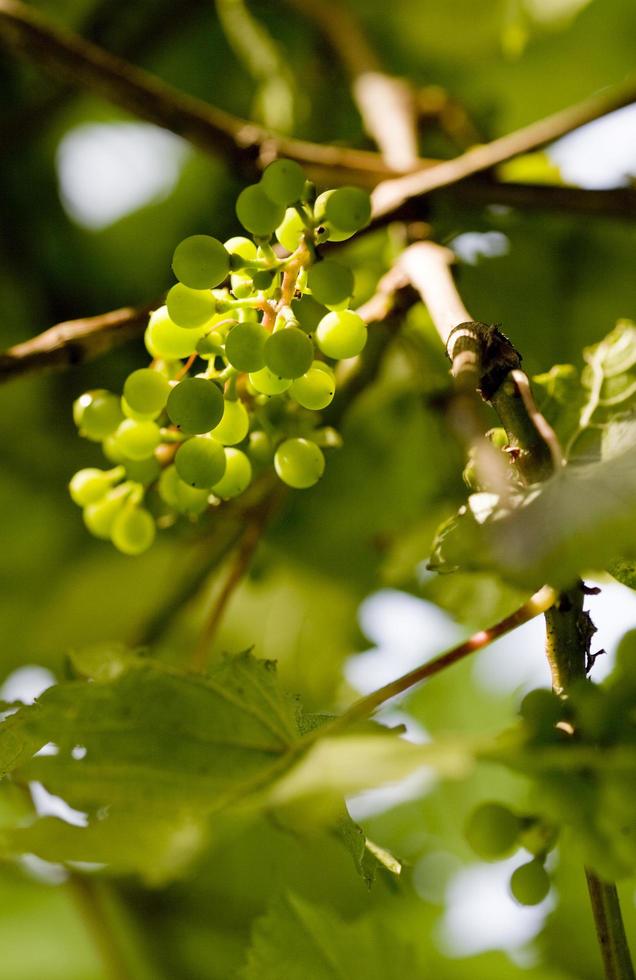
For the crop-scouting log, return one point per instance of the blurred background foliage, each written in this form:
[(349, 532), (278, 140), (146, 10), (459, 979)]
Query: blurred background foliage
[(556, 281)]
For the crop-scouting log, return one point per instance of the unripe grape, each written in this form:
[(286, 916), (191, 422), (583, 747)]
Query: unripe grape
[(299, 463), (200, 462), (180, 496), (289, 352), (530, 883), (341, 334), (97, 413), (263, 279), (257, 212), (316, 388), (260, 448), (195, 405), (268, 383), (283, 181), (492, 831), (137, 416), (89, 485), (542, 709), (133, 530), (320, 208), (245, 346), (237, 476), (100, 515), (348, 209), (290, 230), (330, 282), (234, 425), (146, 391), (308, 312), (243, 248), (165, 340), (200, 262), (190, 307), (137, 440), (143, 471)]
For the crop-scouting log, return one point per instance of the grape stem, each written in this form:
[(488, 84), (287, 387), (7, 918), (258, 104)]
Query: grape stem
[(366, 706), (244, 551), (483, 359)]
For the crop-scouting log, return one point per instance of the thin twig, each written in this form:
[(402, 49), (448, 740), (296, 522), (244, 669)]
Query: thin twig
[(610, 929), (74, 341), (366, 706), (242, 558), (392, 193), (387, 104)]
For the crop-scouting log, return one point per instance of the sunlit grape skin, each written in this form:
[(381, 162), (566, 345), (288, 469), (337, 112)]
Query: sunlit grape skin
[(237, 476), (133, 530), (234, 424), (188, 307), (195, 405), (245, 346), (315, 389), (299, 463), (289, 352), (283, 181), (146, 391), (200, 462), (330, 282), (200, 262), (341, 334), (257, 212)]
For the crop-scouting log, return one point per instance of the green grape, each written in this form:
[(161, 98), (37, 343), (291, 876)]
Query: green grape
[(320, 208), (260, 448), (245, 346), (316, 388), (498, 437), (143, 471), (99, 516), (299, 463), (530, 883), (242, 250), (289, 352), (111, 451), (200, 262), (257, 212), (242, 285), (137, 416), (492, 831), (341, 334), (190, 307), (268, 383), (89, 485), (263, 279), (180, 496), (234, 425), (538, 837), (283, 181), (137, 440), (165, 340), (308, 312), (330, 282), (348, 209), (133, 530), (542, 709), (195, 405), (97, 413), (146, 391), (211, 345), (290, 230), (237, 476), (200, 462)]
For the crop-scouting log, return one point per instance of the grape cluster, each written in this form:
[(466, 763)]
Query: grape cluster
[(241, 356), (494, 831), (586, 780)]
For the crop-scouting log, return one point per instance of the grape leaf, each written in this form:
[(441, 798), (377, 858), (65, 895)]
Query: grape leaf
[(149, 753), (297, 939)]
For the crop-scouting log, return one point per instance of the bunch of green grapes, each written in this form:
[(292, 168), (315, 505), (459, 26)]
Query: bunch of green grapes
[(494, 832), (242, 360), (586, 777)]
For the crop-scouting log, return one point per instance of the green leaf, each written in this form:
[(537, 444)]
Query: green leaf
[(298, 940)]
